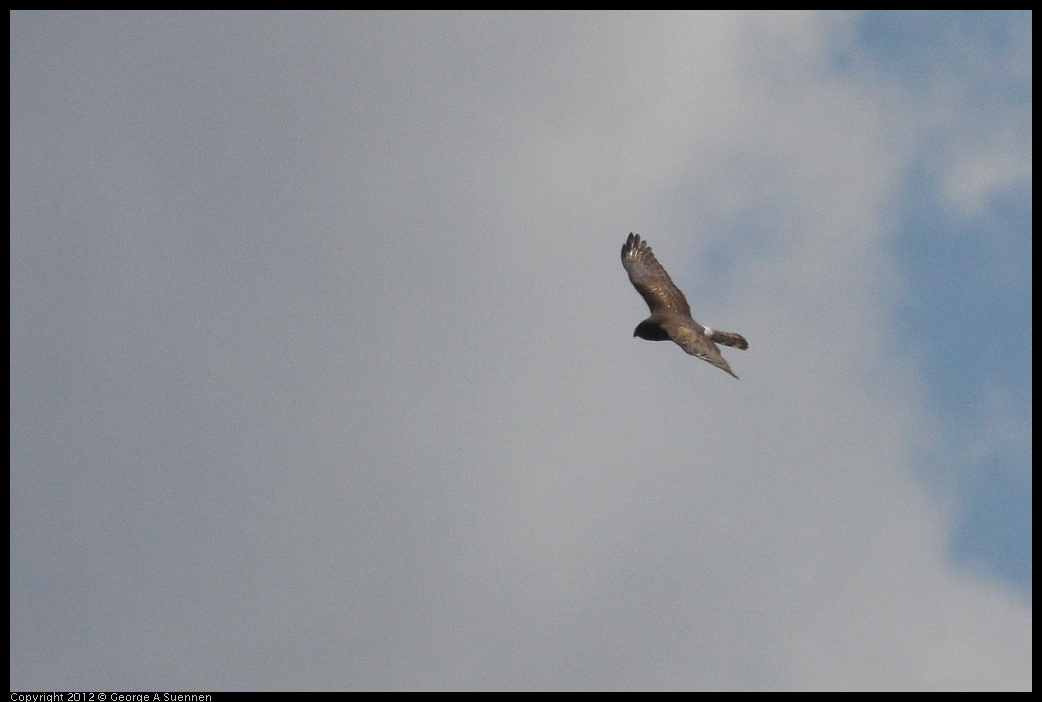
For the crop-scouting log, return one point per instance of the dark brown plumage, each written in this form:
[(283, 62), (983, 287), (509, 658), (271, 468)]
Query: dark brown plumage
[(670, 318)]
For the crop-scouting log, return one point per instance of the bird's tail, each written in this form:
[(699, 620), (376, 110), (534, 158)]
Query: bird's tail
[(730, 339)]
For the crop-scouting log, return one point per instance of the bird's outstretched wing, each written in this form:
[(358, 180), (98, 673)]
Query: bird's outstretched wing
[(650, 278)]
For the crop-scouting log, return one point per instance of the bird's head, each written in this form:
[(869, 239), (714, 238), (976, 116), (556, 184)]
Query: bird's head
[(651, 331)]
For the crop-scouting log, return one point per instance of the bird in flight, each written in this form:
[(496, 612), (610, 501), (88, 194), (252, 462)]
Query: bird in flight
[(670, 318)]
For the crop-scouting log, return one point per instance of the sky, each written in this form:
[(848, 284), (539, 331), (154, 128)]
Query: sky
[(323, 375)]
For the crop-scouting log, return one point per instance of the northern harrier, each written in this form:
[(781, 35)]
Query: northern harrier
[(670, 318)]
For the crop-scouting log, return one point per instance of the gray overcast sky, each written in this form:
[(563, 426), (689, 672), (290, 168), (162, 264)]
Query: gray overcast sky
[(322, 374)]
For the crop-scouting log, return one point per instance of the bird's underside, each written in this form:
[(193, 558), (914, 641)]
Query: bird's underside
[(671, 318)]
